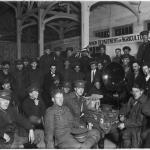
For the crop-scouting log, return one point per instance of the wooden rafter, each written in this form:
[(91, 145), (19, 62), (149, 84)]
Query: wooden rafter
[(53, 27), (48, 8), (69, 16)]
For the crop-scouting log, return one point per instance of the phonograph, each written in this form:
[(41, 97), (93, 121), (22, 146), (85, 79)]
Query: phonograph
[(104, 117)]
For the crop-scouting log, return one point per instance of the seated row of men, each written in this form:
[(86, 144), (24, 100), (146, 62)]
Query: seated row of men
[(62, 123)]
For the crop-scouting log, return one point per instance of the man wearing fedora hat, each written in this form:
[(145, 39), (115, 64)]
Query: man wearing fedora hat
[(9, 117)]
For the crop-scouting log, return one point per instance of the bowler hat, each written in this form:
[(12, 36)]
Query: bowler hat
[(80, 83), (5, 94)]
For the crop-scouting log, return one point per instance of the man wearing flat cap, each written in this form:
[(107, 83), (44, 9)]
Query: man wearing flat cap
[(9, 118), (126, 51), (143, 53)]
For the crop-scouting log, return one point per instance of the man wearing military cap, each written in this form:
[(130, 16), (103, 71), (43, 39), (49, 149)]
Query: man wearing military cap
[(66, 87), (74, 100), (9, 118), (143, 53)]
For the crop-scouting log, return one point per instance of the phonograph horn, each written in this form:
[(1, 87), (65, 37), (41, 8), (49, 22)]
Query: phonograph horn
[(113, 76)]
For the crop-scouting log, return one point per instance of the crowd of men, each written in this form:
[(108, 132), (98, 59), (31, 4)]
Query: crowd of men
[(42, 100)]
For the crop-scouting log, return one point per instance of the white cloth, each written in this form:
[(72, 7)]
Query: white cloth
[(92, 75)]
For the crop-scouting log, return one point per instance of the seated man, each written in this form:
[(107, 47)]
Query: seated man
[(9, 118), (34, 109), (132, 118), (59, 124)]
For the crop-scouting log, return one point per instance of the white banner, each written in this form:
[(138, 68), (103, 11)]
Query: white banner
[(116, 39)]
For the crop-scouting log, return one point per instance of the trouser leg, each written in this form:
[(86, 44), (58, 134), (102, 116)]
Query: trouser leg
[(92, 139)]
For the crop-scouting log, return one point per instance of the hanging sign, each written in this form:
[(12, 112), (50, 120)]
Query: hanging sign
[(116, 39)]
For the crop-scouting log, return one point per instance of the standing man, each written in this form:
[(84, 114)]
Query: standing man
[(143, 54), (117, 58), (45, 61), (103, 56), (126, 51)]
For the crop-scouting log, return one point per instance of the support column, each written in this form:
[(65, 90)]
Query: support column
[(19, 33), (85, 12), (41, 28)]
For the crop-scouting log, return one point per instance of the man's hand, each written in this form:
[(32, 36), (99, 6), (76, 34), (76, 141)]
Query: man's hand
[(6, 137), (31, 136), (121, 126)]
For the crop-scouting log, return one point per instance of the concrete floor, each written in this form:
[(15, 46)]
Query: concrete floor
[(108, 144)]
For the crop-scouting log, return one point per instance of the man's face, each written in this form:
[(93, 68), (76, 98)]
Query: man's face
[(69, 53), (25, 63), (99, 66), (58, 53), (126, 61), (137, 93), (6, 86), (66, 63), (47, 51), (34, 94), (93, 66), (34, 65), (136, 67), (145, 38), (58, 99), (77, 68), (145, 70), (102, 50), (97, 85), (66, 89), (126, 51), (118, 52), (79, 91), (53, 69), (19, 66), (4, 103), (6, 68)]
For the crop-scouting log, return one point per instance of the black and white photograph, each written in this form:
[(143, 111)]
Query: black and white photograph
[(74, 74)]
